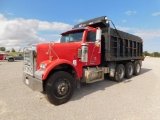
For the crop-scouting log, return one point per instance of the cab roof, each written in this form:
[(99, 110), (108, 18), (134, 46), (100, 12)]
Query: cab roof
[(77, 29)]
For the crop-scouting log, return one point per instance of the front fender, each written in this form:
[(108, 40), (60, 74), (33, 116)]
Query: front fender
[(51, 65)]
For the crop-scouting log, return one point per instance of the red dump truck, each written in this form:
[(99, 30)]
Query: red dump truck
[(87, 53)]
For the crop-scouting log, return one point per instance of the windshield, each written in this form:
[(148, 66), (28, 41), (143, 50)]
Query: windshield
[(72, 37)]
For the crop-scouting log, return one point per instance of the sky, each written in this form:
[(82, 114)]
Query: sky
[(24, 22)]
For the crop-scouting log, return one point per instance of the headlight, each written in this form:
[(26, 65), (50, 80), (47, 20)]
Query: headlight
[(43, 66)]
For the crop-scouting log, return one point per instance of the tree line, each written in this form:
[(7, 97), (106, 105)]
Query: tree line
[(154, 54), (145, 53), (4, 49)]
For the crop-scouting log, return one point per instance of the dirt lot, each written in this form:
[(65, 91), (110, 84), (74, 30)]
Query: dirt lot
[(136, 98)]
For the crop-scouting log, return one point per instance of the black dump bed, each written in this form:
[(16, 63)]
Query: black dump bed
[(116, 45)]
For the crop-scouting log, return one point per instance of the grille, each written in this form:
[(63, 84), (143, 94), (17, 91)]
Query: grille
[(29, 60)]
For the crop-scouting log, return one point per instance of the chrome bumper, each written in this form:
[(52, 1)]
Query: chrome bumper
[(34, 83)]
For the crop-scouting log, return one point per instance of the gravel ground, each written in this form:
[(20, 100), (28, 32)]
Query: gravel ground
[(135, 99)]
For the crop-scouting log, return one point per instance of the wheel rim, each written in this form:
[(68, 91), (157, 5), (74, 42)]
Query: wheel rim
[(130, 70), (62, 88), (121, 73), (138, 68)]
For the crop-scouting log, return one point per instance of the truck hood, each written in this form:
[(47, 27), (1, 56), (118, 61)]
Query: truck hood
[(67, 51)]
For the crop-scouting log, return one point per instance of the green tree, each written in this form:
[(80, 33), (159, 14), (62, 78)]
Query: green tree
[(13, 50), (2, 49), (156, 54), (146, 53)]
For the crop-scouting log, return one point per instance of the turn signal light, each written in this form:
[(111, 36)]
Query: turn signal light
[(51, 58)]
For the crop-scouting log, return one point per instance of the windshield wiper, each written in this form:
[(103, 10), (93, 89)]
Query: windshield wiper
[(71, 41)]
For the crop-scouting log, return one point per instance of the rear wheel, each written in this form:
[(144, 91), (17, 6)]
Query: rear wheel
[(119, 73), (60, 87), (11, 60), (137, 68), (129, 70)]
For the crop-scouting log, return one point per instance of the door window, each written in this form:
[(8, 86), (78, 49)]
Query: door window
[(91, 37)]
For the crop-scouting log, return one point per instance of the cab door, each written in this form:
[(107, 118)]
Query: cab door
[(94, 49)]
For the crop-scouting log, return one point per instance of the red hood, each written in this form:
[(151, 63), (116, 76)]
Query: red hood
[(66, 51)]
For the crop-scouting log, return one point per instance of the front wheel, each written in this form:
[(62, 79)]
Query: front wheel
[(60, 87)]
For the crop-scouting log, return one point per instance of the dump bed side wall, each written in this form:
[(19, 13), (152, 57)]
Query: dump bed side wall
[(123, 47)]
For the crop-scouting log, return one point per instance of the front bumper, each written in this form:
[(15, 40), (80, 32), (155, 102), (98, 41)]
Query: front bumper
[(34, 83)]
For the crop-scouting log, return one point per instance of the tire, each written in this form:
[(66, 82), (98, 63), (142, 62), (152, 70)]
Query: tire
[(119, 73), (129, 69), (10, 60), (137, 68), (60, 87)]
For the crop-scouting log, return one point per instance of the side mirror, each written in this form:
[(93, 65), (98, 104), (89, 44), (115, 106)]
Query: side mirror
[(98, 34)]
